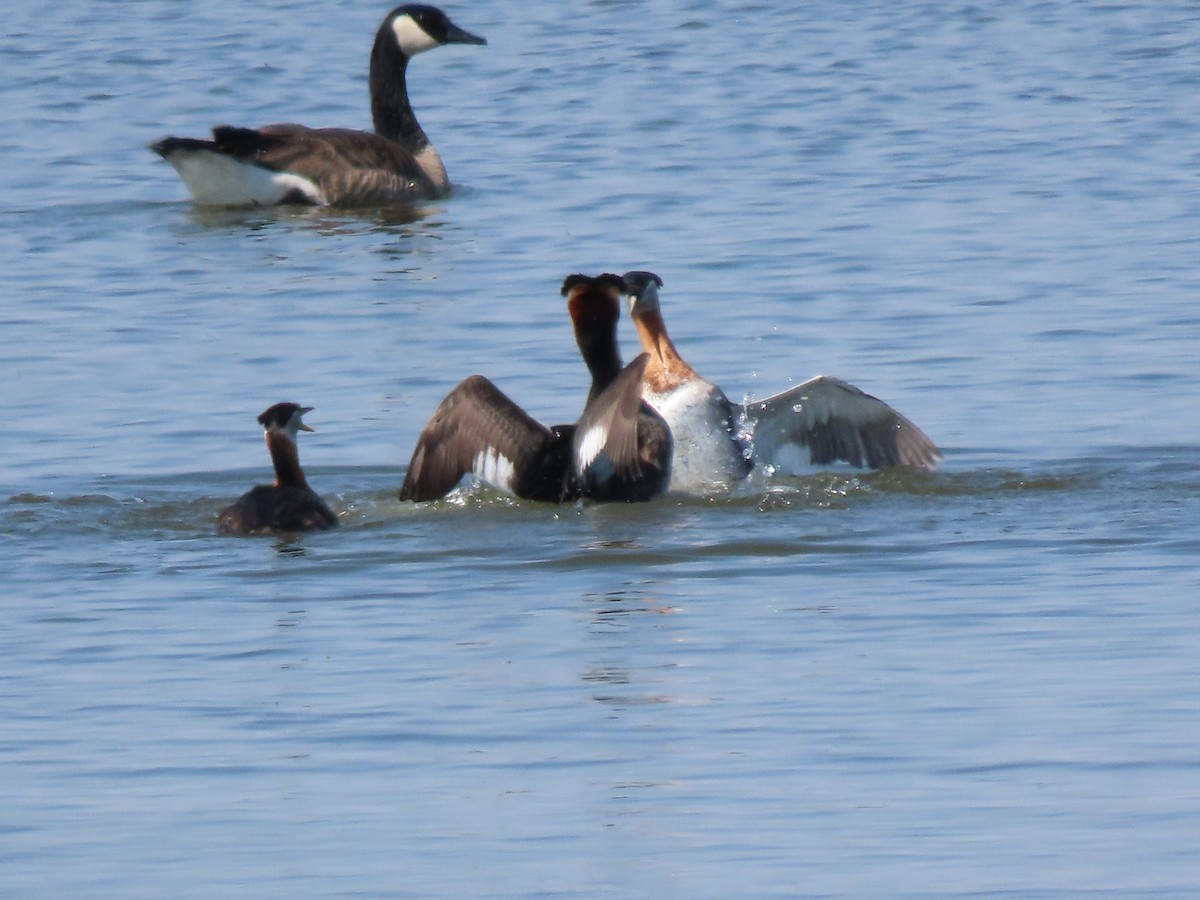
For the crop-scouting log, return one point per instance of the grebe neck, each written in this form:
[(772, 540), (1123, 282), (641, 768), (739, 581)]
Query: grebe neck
[(286, 460), (666, 368), (603, 359)]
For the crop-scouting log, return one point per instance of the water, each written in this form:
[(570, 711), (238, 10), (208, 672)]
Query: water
[(981, 681)]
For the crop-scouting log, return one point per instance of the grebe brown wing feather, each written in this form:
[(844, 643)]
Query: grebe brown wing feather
[(622, 446), (478, 430)]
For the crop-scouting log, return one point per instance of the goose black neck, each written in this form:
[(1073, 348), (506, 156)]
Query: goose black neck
[(390, 110)]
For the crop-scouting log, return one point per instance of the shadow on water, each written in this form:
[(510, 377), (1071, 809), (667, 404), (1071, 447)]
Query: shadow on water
[(186, 505), (95, 222), (322, 220)]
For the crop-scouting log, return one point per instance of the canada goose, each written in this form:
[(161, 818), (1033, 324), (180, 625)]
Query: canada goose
[(287, 163)]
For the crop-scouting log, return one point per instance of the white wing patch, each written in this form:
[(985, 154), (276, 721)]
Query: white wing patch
[(214, 179), (591, 446), (495, 468)]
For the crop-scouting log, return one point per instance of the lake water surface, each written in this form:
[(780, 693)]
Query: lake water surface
[(980, 681)]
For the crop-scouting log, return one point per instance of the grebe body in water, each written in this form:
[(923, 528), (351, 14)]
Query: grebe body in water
[(618, 450), (289, 504)]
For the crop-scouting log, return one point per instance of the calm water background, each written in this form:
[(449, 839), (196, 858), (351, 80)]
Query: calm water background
[(983, 681)]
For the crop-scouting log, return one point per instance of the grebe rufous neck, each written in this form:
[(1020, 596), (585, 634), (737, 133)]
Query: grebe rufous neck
[(289, 163), (619, 450), (289, 504), (826, 418)]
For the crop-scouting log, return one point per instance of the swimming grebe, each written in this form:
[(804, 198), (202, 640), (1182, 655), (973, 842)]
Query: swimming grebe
[(717, 442), (287, 163), (289, 504), (619, 450)]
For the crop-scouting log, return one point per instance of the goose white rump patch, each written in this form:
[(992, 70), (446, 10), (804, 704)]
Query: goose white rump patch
[(214, 179)]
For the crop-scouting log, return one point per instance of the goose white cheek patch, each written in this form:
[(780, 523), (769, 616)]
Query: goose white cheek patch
[(411, 37)]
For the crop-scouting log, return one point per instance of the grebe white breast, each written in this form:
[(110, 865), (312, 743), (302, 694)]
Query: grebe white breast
[(717, 442), (619, 450), (289, 504), (287, 163)]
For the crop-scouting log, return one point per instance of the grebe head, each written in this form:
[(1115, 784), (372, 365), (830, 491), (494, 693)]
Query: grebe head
[(418, 28), (284, 418), (595, 305), (642, 288), (593, 300)]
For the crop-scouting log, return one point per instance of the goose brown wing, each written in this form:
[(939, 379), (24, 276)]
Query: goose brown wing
[(352, 168), (478, 430), (835, 420)]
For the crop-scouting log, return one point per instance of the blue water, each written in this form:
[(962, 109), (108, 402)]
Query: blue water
[(981, 681)]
